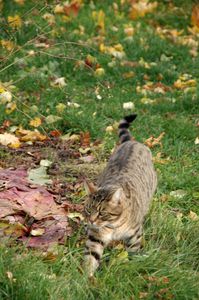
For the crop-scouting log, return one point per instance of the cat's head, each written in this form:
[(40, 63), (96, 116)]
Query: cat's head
[(104, 206)]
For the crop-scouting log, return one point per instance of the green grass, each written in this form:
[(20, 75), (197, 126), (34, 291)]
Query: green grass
[(171, 244)]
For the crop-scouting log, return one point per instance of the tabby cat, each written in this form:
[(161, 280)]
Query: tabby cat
[(116, 208)]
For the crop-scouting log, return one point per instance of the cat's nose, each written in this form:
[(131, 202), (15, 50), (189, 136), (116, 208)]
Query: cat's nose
[(93, 219)]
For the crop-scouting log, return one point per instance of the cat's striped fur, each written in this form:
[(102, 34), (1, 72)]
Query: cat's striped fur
[(116, 208)]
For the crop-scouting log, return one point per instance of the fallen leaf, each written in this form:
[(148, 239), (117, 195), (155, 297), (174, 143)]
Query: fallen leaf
[(127, 75), (39, 176), (99, 19), (52, 119), (72, 8), (116, 51), (159, 160), (74, 215), (84, 150), (109, 129), (5, 96), (193, 216), (143, 295), (59, 9), (73, 104), (36, 122), (55, 133), (141, 7), (85, 139), (99, 72), (14, 21), (9, 275), (49, 18), (10, 107), (37, 232), (179, 194), (60, 108), (20, 202), (184, 82), (8, 45), (10, 140), (129, 30), (87, 159), (20, 2), (196, 141), (152, 141), (128, 105), (30, 136), (59, 82), (45, 163), (195, 15)]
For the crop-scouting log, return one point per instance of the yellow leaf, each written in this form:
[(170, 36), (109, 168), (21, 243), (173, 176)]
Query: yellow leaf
[(30, 136), (37, 232), (141, 8), (36, 122), (182, 84), (15, 21), (193, 216), (49, 18), (99, 19), (10, 107), (8, 45), (20, 2), (99, 72), (196, 141), (5, 96), (128, 75), (59, 9), (60, 108), (109, 129), (10, 140), (129, 31), (74, 215)]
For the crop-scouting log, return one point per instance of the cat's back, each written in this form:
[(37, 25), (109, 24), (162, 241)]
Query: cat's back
[(129, 158), (129, 155)]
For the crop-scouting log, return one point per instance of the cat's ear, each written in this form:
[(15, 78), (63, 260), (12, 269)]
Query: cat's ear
[(90, 188), (117, 196)]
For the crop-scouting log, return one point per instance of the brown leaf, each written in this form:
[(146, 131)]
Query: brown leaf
[(21, 202), (85, 139), (55, 133), (195, 15), (152, 141), (72, 9)]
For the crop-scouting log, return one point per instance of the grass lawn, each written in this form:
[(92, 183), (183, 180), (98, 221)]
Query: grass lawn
[(108, 54)]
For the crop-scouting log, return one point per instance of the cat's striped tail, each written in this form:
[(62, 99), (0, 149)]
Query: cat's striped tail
[(123, 131)]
